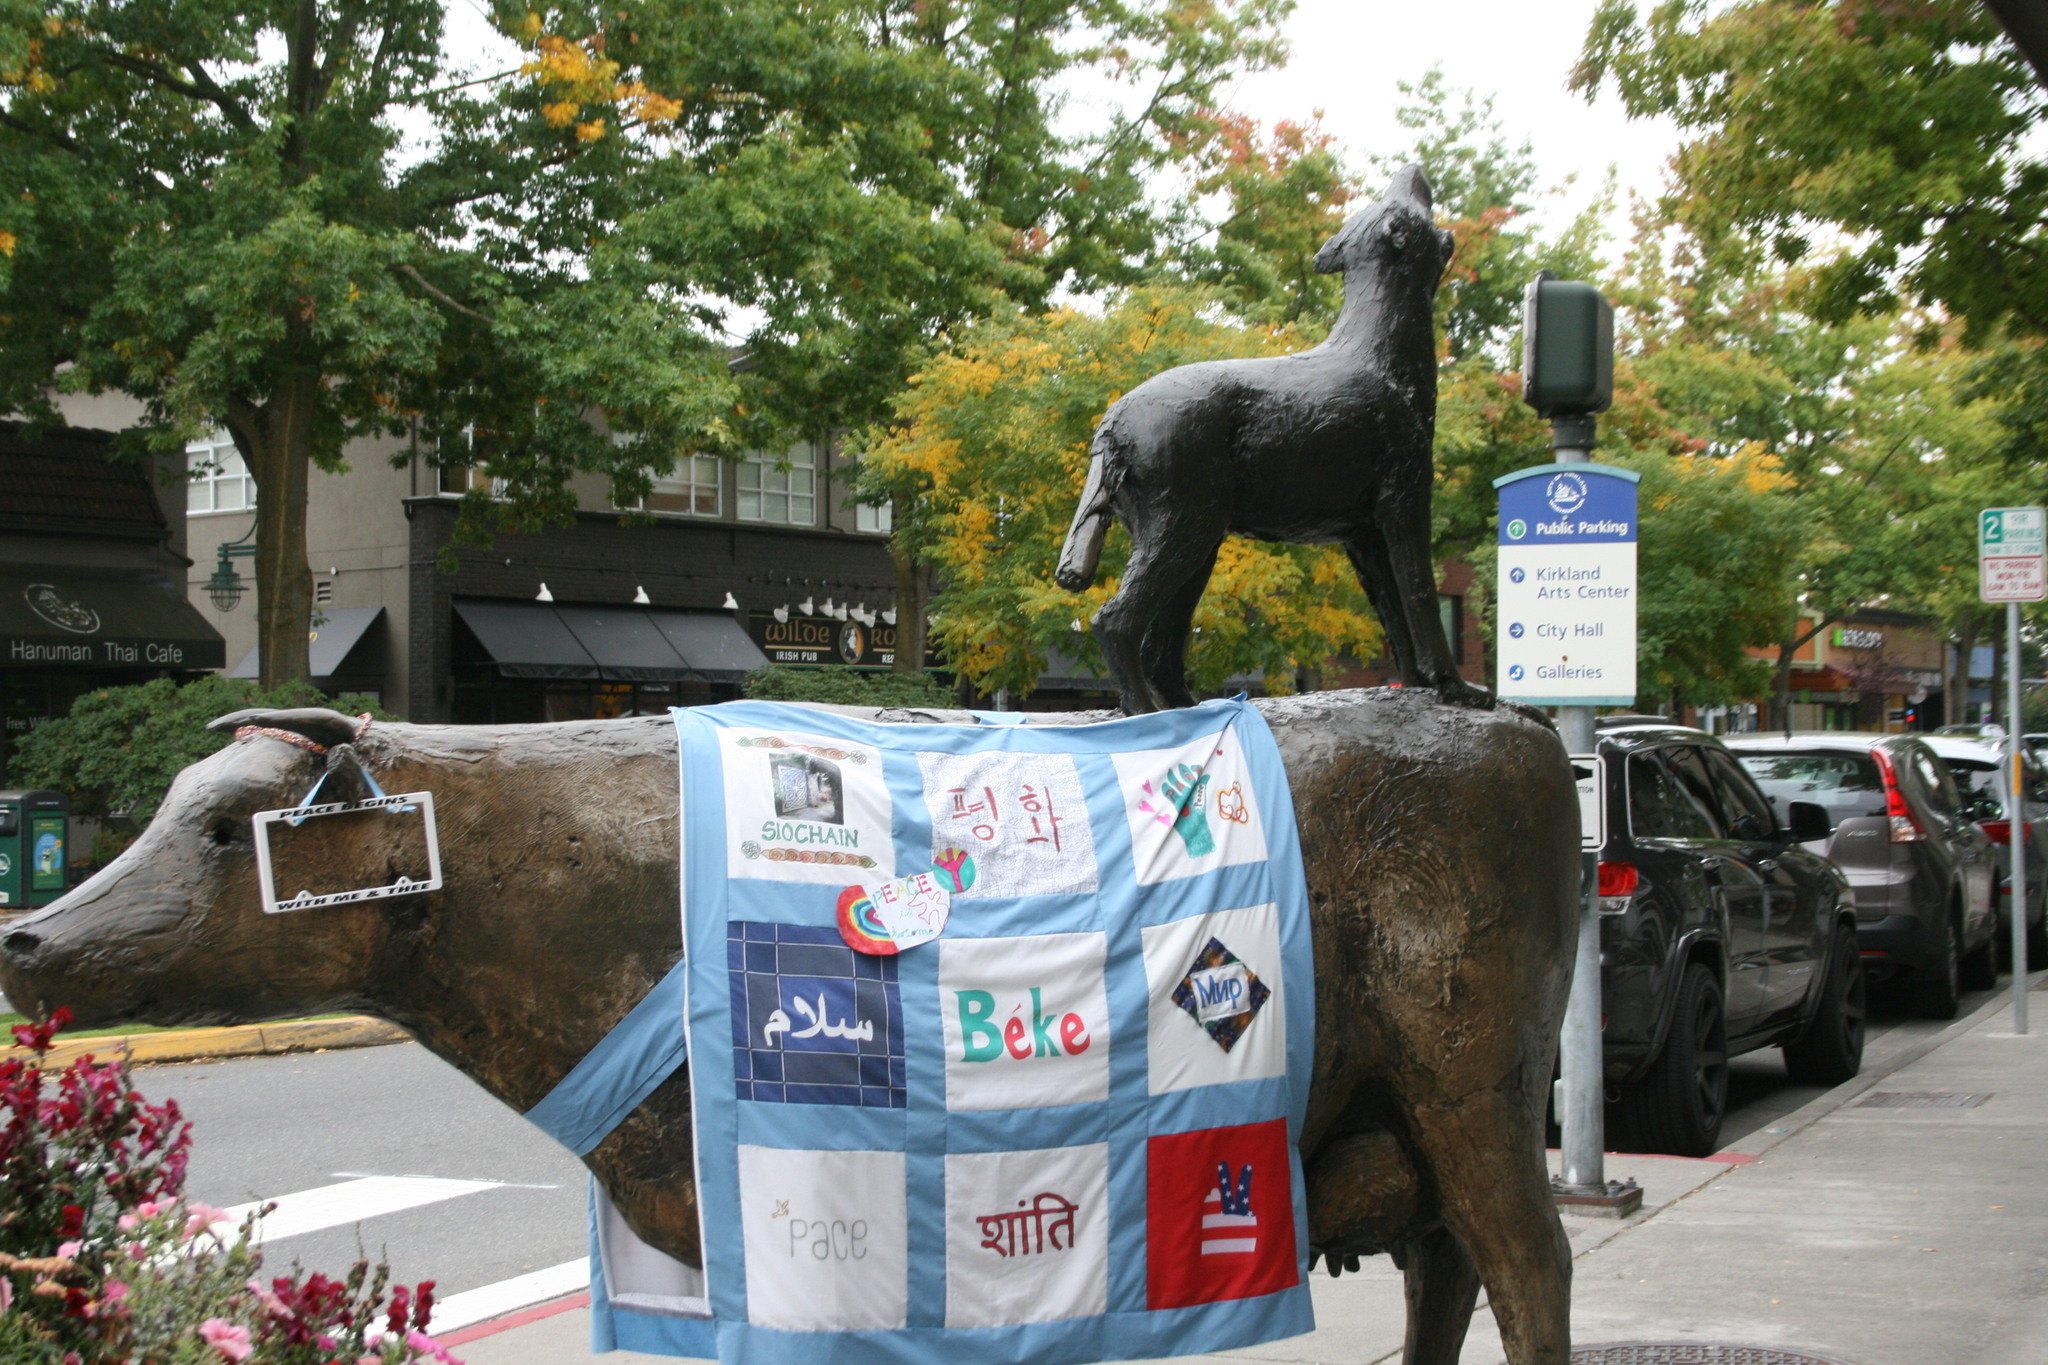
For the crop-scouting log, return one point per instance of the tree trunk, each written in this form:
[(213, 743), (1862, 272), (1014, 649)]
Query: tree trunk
[(277, 444), (910, 628), (1955, 698)]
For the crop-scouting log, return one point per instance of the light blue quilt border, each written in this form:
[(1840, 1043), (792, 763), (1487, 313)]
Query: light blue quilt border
[(1123, 1332)]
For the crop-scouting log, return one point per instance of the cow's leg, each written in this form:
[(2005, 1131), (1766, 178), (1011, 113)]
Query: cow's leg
[(1487, 1156), (1165, 649), (1442, 1286), (1404, 526), (1368, 552)]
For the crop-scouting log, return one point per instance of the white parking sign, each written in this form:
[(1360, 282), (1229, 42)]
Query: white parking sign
[(2012, 554)]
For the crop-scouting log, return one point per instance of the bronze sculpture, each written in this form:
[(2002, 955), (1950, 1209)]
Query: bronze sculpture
[(1330, 445), (1443, 917)]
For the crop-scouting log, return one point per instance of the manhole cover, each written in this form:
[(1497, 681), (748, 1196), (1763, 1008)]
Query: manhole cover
[(1918, 1099), (1692, 1353)]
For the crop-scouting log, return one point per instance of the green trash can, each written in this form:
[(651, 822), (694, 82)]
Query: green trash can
[(34, 828)]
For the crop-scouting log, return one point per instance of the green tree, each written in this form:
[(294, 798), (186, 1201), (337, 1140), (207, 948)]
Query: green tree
[(1887, 143), (996, 433), (118, 748), (306, 223)]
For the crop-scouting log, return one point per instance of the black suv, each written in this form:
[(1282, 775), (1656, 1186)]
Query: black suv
[(1719, 935)]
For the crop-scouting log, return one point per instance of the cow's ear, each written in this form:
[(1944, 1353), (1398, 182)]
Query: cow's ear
[(316, 723)]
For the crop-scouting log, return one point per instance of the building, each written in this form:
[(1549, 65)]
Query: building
[(92, 577)]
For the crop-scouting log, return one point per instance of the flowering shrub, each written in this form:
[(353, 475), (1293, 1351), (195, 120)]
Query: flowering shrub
[(103, 1261)]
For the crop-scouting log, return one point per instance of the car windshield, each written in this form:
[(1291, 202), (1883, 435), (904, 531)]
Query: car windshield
[(1842, 784)]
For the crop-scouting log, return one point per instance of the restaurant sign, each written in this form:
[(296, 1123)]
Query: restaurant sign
[(806, 641), (101, 623)]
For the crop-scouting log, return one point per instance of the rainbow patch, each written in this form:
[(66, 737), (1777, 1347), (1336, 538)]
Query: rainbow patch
[(861, 927)]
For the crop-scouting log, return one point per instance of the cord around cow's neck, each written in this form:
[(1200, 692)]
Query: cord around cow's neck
[(299, 741)]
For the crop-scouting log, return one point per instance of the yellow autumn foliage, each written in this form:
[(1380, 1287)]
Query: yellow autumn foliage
[(990, 450)]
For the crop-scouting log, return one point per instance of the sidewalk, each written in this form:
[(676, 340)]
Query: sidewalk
[(1860, 1229)]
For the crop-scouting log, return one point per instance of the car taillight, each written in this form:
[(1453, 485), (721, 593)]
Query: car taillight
[(1616, 884), (1997, 831), (1906, 828)]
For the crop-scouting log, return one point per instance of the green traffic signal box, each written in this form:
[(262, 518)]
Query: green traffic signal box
[(34, 827)]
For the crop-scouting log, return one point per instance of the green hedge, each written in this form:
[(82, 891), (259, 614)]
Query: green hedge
[(846, 687), (119, 748)]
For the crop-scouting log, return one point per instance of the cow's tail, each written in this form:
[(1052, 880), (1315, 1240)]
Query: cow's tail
[(1083, 550)]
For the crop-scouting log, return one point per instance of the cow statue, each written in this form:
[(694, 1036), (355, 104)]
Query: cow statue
[(1441, 854)]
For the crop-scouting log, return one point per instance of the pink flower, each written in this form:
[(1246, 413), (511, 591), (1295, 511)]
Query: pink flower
[(230, 1339), (6, 1293), (425, 1345), (200, 1218), (68, 1249), (150, 1208)]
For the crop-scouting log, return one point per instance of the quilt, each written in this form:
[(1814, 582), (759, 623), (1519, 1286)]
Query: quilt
[(999, 1040)]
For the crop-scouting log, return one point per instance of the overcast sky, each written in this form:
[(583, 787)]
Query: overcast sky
[(1349, 56)]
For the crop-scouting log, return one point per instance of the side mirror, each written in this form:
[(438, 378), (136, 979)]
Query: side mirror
[(1809, 822)]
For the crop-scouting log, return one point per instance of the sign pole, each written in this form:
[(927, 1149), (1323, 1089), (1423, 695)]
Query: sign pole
[(1581, 1113), (2016, 809), (1567, 638), (2012, 567)]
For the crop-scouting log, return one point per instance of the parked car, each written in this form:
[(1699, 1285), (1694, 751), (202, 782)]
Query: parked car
[(1720, 934), (1920, 871), (1978, 768)]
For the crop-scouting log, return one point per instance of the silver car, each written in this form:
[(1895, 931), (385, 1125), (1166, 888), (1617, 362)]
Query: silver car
[(1978, 767), (1921, 873)]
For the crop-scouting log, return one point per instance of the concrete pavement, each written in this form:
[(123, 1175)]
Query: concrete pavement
[(1900, 1219)]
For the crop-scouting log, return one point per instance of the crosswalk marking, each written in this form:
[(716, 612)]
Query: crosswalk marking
[(362, 1197), (351, 1201), (509, 1296)]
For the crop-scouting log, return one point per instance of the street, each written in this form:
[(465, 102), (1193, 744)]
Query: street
[(389, 1151)]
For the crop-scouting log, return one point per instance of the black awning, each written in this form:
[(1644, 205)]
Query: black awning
[(330, 642), (526, 639), (713, 645), (624, 642), (53, 618)]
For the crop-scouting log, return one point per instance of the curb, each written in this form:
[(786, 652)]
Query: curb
[(240, 1040)]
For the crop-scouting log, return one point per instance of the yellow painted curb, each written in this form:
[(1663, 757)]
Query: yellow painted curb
[(240, 1040)]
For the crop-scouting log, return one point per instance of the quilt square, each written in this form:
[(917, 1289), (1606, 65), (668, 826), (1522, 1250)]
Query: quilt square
[(1215, 1011), (805, 808), (1008, 824), (826, 1239), (1219, 1215), (813, 1022), (1027, 1236), (1191, 809), (1026, 1020)]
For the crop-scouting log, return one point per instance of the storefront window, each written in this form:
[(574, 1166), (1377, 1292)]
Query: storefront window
[(780, 489), (220, 481)]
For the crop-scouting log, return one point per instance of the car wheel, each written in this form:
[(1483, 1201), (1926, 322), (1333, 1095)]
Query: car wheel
[(1678, 1107), (1980, 968), (1831, 1049), (1941, 994), (2037, 943)]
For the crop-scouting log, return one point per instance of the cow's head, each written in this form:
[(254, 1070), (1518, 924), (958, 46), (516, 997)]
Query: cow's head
[(174, 931)]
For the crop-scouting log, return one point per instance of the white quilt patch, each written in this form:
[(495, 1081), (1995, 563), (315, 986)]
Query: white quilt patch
[(1026, 1020), (1027, 1236), (1191, 809), (1216, 995), (826, 1239), (1022, 818), (805, 808)]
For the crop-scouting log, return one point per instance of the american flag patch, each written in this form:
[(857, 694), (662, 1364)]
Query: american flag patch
[(1229, 1227)]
